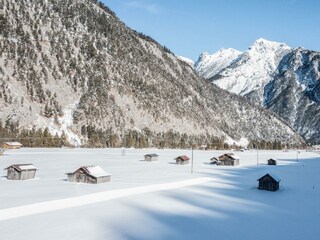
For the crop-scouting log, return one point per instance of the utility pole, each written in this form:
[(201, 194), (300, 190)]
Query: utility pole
[(124, 139), (257, 155), (192, 159)]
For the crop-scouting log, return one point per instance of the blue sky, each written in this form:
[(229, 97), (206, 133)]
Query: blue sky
[(189, 27)]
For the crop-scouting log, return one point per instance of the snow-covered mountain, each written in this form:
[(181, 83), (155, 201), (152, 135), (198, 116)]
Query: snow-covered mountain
[(209, 65), (73, 66), (252, 70), (294, 92), (280, 78)]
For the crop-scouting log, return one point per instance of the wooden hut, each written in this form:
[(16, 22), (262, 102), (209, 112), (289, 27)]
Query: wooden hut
[(89, 174), (215, 161), (21, 171), (151, 157), (12, 145), (272, 161), (182, 160), (269, 183), (229, 159)]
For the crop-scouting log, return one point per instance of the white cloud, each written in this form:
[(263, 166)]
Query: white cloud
[(148, 7)]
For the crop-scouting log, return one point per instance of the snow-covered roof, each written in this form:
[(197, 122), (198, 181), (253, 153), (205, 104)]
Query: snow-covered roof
[(95, 171), (13, 143), (23, 167), (152, 155), (233, 156), (183, 158), (273, 159), (272, 175)]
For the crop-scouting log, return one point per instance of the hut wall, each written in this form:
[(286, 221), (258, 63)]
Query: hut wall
[(70, 177), (179, 161), (27, 174), (80, 177), (268, 184), (229, 161), (12, 174), (272, 162), (150, 158), (83, 178), (103, 179)]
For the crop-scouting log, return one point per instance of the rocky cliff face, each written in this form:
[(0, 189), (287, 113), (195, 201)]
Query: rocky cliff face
[(294, 93), (73, 67)]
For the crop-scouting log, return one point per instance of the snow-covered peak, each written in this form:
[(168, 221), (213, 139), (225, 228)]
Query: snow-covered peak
[(262, 46), (252, 70), (186, 60), (266, 43), (209, 65)]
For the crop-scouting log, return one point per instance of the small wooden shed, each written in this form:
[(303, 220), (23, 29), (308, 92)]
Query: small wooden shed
[(151, 157), (21, 171), (229, 159), (269, 183), (12, 145), (182, 160), (272, 161), (89, 174), (215, 161)]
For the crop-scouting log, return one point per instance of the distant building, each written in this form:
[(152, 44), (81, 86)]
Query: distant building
[(89, 174), (229, 159), (12, 145), (272, 161), (151, 157), (215, 161), (182, 160), (21, 171), (269, 183)]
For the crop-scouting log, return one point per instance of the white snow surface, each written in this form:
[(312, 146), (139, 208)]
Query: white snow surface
[(209, 65), (65, 123), (160, 200), (189, 61)]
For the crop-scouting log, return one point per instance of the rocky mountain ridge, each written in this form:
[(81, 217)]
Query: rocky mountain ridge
[(279, 78), (73, 67)]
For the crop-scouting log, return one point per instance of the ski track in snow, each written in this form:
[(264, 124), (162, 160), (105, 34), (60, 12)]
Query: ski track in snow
[(66, 203)]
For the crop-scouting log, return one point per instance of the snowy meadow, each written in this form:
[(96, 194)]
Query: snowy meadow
[(160, 200)]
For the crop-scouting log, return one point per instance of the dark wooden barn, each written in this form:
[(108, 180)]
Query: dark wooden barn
[(89, 174), (151, 157), (182, 160), (21, 171), (269, 183), (272, 161), (229, 159)]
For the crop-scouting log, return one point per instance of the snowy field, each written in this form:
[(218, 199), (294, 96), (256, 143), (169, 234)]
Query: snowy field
[(160, 200)]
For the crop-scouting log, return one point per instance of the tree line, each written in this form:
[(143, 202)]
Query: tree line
[(31, 138)]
